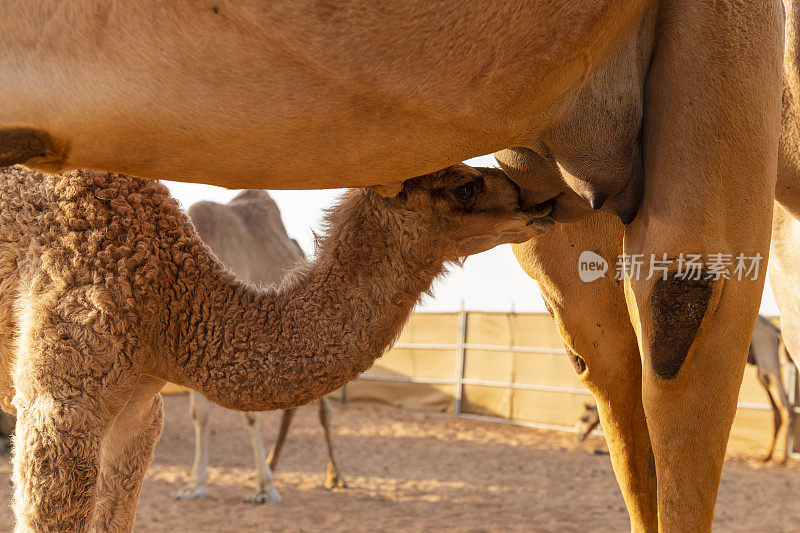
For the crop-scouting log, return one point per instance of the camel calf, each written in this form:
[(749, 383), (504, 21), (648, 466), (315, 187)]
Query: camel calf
[(108, 291)]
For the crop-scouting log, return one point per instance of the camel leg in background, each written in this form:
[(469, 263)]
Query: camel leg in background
[(7, 423), (286, 420), (125, 453), (265, 481), (777, 418), (709, 190), (196, 487), (333, 478), (593, 321), (785, 280)]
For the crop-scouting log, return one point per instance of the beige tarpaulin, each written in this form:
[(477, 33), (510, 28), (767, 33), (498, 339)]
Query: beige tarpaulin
[(539, 387), (535, 383)]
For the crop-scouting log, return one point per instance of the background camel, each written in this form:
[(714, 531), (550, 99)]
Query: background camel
[(6, 431), (587, 422), (583, 100), (108, 292), (764, 353), (248, 236)]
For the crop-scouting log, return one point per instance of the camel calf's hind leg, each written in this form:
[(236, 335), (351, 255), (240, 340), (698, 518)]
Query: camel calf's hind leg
[(265, 489), (196, 487)]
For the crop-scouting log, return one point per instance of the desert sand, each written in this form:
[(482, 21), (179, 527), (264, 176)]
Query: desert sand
[(414, 472)]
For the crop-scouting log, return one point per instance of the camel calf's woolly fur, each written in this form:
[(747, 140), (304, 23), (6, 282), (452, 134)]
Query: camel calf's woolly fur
[(107, 291), (248, 236)]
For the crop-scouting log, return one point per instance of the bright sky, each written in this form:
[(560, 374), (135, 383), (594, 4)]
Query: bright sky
[(491, 281)]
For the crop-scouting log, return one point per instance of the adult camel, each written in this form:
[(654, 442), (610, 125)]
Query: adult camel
[(583, 100), (604, 339)]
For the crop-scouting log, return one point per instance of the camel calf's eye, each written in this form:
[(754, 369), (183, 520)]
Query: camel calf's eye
[(466, 193)]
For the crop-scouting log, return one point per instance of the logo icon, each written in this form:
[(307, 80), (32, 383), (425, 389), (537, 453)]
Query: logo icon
[(591, 266)]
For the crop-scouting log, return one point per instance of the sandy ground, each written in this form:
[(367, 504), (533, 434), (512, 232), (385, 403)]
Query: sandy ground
[(412, 472)]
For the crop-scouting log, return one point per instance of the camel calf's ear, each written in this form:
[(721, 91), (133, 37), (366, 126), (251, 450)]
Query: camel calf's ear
[(388, 190)]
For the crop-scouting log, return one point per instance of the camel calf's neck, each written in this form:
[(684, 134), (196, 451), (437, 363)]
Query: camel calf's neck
[(255, 349), (259, 348), (116, 263)]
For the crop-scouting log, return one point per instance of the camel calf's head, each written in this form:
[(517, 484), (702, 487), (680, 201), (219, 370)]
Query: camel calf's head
[(470, 210)]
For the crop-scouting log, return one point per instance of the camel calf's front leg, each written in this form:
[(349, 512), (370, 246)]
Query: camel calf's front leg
[(56, 463), (125, 453), (64, 412)]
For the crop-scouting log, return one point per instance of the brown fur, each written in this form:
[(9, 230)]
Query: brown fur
[(108, 291), (348, 93)]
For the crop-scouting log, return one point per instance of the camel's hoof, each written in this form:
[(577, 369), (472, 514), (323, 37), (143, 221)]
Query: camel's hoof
[(336, 482), (191, 492), (782, 462), (766, 458), (269, 495)]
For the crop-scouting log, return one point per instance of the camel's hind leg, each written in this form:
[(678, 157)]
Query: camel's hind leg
[(710, 169), (333, 478), (125, 453), (196, 487), (265, 488), (602, 346)]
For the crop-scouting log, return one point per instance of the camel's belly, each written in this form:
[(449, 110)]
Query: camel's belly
[(338, 97)]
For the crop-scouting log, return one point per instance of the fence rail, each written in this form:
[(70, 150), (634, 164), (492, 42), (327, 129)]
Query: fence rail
[(459, 381)]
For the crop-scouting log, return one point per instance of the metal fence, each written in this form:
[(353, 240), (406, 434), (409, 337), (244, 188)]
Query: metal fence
[(461, 346)]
